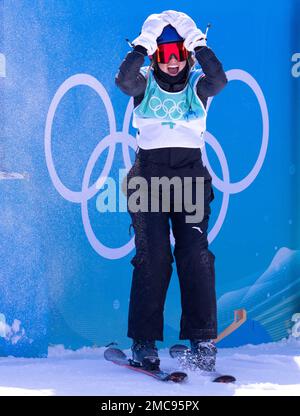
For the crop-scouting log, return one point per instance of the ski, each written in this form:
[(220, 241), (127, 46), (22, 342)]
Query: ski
[(179, 350), (117, 356)]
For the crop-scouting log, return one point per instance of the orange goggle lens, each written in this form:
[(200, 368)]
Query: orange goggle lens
[(166, 51)]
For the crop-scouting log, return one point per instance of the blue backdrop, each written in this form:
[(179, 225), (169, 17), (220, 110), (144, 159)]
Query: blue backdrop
[(65, 268)]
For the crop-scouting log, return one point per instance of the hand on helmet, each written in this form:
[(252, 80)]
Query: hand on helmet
[(186, 27), (151, 30)]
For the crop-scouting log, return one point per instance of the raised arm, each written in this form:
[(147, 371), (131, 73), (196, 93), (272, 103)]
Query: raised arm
[(214, 79), (129, 79)]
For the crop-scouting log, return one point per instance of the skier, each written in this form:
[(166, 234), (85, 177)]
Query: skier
[(170, 97)]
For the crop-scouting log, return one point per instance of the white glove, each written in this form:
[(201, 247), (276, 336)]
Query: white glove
[(186, 28), (151, 30)]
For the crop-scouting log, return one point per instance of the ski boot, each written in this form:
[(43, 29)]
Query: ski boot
[(200, 356), (203, 354), (145, 354)]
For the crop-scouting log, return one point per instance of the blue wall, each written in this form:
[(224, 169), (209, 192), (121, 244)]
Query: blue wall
[(65, 268)]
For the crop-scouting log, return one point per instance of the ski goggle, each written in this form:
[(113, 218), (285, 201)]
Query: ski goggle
[(166, 51)]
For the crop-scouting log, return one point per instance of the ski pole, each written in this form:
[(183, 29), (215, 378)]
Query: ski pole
[(207, 27)]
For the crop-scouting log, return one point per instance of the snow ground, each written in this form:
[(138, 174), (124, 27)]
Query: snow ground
[(267, 369)]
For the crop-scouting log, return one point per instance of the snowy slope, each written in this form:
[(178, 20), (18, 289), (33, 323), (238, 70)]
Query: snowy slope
[(268, 369)]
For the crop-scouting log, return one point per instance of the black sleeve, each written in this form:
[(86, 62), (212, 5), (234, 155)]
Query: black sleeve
[(129, 79), (214, 79)]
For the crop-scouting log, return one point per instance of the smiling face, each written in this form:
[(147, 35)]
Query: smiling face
[(173, 67)]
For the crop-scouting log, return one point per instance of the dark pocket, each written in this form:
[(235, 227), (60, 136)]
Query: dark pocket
[(137, 261)]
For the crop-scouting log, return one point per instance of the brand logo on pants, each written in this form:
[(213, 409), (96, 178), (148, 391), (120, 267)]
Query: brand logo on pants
[(199, 229)]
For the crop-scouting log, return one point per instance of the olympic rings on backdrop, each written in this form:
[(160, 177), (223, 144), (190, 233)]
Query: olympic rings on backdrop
[(162, 109)]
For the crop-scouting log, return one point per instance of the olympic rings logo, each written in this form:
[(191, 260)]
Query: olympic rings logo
[(167, 108), (127, 141)]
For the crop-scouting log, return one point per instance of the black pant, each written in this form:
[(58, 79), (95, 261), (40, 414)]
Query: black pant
[(153, 259)]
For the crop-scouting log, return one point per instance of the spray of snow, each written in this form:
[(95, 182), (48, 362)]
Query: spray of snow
[(13, 333)]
